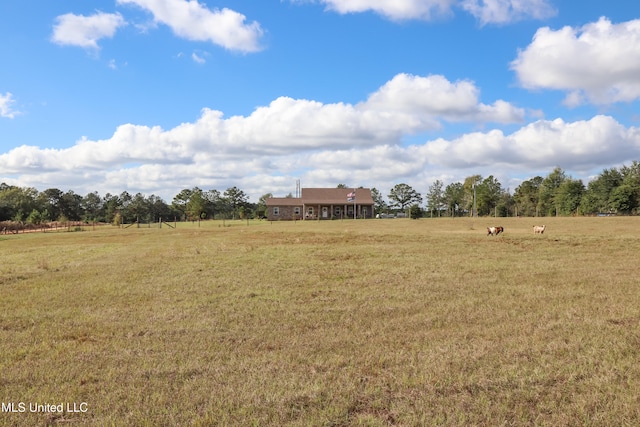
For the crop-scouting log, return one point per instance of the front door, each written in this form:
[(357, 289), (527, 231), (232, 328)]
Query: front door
[(325, 212)]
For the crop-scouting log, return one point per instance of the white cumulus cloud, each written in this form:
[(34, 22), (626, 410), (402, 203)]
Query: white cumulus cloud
[(485, 11), (598, 63), (6, 106), (507, 11), (323, 144), (85, 31), (194, 21), (432, 97), (393, 9), (580, 144)]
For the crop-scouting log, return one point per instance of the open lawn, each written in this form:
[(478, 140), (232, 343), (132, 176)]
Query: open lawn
[(336, 323)]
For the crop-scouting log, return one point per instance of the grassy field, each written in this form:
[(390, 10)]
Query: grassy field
[(337, 323)]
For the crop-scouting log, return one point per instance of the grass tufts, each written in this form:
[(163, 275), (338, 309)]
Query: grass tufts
[(336, 323)]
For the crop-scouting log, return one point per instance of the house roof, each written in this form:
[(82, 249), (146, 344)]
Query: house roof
[(284, 201), (324, 196), (335, 196)]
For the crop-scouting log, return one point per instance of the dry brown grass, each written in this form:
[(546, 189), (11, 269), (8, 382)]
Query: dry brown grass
[(379, 322)]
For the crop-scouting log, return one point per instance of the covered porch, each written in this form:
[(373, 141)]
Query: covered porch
[(318, 211)]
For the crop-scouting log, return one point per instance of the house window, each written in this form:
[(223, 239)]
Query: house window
[(310, 211), (365, 212), (338, 211), (296, 210), (276, 211)]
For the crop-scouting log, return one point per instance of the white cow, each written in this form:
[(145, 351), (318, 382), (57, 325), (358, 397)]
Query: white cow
[(539, 229)]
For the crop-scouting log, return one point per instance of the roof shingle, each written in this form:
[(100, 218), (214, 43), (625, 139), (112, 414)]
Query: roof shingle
[(324, 196)]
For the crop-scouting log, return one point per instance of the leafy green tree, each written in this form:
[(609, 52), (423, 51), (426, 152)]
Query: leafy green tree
[(435, 197), (569, 196), (588, 203), (631, 173), (235, 199), (379, 205), (92, 205), (112, 206), (125, 203), (213, 202), (527, 195), (158, 209), (623, 199), (139, 209), (505, 204), (547, 203), (5, 207), (16, 203), (180, 202), (402, 195), (597, 197), (50, 201), (34, 217), (261, 209), (631, 179), (488, 194), (453, 197), (71, 206), (197, 205)]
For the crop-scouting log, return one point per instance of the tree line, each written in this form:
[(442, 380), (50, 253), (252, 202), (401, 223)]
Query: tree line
[(614, 191), (28, 205)]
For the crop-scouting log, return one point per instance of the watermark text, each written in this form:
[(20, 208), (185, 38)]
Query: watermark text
[(45, 407)]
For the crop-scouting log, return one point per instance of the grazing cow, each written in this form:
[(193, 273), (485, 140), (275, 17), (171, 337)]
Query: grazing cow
[(539, 229), (494, 231)]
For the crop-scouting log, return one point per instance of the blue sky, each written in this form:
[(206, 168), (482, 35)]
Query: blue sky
[(154, 96)]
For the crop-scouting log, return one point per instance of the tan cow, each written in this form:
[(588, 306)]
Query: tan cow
[(539, 229)]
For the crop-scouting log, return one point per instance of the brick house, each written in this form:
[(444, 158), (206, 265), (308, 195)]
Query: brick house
[(322, 203)]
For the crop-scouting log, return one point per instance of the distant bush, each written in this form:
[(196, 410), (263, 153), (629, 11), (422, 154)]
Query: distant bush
[(415, 212)]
